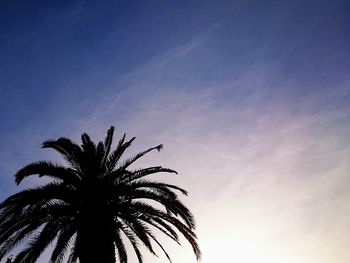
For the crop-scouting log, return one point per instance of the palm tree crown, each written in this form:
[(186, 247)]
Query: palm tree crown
[(93, 205)]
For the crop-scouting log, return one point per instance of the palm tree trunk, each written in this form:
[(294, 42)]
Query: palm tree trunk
[(95, 236)]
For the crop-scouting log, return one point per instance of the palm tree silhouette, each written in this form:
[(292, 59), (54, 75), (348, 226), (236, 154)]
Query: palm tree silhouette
[(92, 205)]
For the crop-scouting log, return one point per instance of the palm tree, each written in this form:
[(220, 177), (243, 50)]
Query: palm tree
[(92, 206)]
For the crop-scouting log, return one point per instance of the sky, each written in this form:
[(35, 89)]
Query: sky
[(250, 99)]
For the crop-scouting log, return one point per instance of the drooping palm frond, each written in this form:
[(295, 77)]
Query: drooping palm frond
[(70, 151), (39, 242), (122, 254), (134, 242), (65, 235), (45, 168), (73, 256)]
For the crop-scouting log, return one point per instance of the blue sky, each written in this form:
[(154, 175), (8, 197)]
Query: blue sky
[(250, 98)]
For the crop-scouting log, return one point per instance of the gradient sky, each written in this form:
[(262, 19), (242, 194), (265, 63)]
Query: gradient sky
[(251, 100)]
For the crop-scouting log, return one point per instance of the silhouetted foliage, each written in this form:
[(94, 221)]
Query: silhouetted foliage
[(92, 205)]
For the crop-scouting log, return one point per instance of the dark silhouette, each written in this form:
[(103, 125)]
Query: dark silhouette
[(91, 205)]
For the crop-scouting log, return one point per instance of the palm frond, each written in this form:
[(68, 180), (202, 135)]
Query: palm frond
[(70, 151), (123, 257), (38, 244), (73, 256), (88, 145), (158, 185), (185, 230), (131, 160), (63, 242), (18, 222), (161, 247), (174, 206), (107, 144), (100, 152), (131, 176), (160, 225), (53, 190), (133, 240), (118, 152), (46, 168), (14, 238), (139, 229)]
